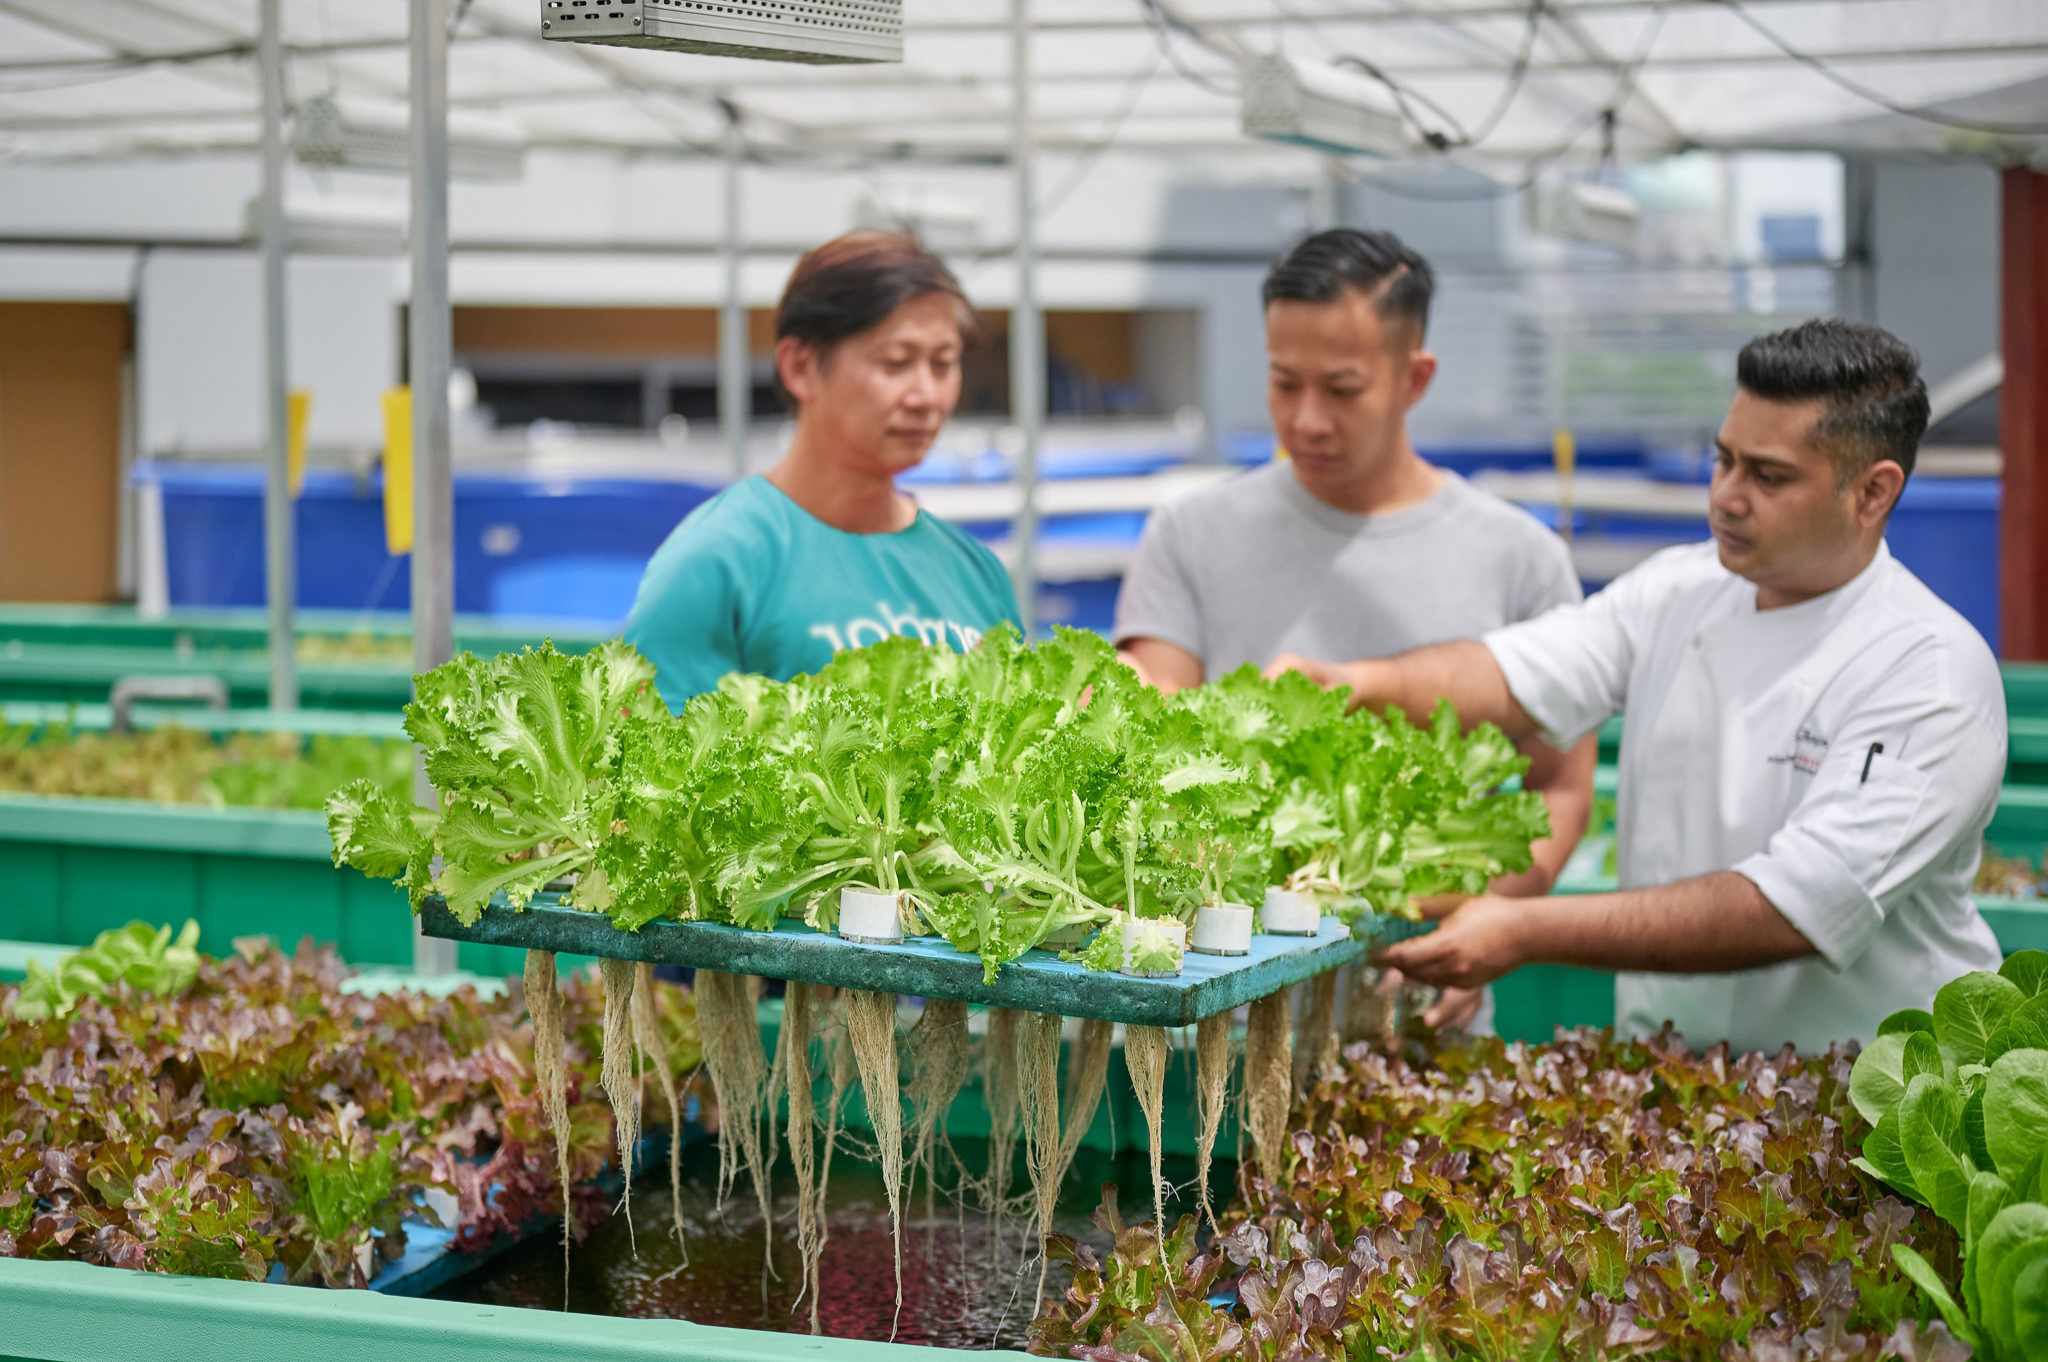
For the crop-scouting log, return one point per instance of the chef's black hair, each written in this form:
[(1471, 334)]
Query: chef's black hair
[(1377, 264), (853, 282), (1869, 379)]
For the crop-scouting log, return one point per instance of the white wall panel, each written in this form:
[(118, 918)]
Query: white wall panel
[(200, 361)]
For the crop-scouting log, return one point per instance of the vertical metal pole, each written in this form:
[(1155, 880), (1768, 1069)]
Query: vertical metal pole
[(433, 489), (1027, 324), (735, 377), (278, 551)]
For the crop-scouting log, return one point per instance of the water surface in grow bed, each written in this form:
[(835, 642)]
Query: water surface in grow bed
[(962, 1286)]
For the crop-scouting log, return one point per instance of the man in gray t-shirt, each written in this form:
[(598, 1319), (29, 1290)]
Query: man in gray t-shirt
[(1257, 566), (1350, 546)]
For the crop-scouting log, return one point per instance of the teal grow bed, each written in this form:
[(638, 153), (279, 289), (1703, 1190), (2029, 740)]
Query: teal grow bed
[(77, 867), (72, 1312), (74, 654)]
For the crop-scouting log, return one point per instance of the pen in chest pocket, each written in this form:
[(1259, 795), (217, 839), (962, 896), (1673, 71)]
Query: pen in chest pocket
[(1869, 757)]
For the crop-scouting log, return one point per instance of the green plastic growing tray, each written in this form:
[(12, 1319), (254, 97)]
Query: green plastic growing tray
[(75, 1312), (927, 966), (70, 654)]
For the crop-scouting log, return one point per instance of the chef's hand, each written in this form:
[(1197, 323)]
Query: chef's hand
[(1480, 941), (1453, 1006), (1437, 907), (1324, 674)]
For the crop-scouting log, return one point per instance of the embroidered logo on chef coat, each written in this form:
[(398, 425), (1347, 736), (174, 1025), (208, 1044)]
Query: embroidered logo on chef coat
[(1808, 750)]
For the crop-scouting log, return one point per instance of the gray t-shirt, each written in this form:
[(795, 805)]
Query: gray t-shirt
[(1257, 566)]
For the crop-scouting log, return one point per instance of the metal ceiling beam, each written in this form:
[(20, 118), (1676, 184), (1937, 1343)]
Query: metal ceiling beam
[(1265, 16), (238, 50), (1676, 61), (1629, 70), (1862, 56), (786, 253), (242, 49)]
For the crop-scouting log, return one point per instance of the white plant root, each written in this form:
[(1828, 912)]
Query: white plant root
[(793, 1058), (1087, 1074), (653, 1045), (1038, 1058), (939, 1060), (1145, 1056), (739, 1075), (1315, 1042), (1269, 1078), (999, 1091), (615, 1072), (871, 1028), (550, 1077), (1212, 1083)]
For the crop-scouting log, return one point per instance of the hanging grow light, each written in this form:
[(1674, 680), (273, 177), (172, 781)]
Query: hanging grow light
[(1320, 107), (1577, 211), (816, 32)]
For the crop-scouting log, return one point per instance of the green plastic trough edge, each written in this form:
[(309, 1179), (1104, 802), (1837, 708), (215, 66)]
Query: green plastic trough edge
[(75, 1312), (296, 834), (99, 718), (1038, 983)]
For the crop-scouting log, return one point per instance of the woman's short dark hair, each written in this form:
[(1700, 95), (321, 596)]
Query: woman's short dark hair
[(1378, 264), (853, 282), (1869, 379)]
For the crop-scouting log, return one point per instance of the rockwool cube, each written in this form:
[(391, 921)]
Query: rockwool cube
[(812, 31)]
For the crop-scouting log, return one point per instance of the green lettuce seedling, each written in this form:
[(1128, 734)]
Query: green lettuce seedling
[(1958, 1104), (143, 957), (522, 750)]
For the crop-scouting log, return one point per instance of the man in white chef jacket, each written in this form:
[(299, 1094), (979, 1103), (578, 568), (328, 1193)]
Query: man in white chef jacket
[(1814, 741)]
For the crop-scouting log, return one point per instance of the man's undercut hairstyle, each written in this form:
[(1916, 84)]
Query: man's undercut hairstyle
[(1869, 379), (1397, 280), (853, 282)]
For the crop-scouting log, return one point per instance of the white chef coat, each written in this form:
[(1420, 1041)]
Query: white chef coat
[(1748, 741)]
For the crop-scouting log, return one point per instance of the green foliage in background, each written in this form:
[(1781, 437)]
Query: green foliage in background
[(174, 765)]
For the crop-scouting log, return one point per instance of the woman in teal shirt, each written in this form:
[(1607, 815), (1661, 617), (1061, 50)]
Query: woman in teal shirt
[(822, 552)]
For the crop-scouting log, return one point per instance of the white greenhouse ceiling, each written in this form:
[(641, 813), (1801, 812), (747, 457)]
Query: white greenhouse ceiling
[(1508, 86)]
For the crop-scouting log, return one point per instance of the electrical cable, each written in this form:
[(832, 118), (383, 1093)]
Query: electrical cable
[(1431, 138), (1112, 127), (1516, 75), (1458, 138), (1855, 87), (1162, 25), (1606, 116)]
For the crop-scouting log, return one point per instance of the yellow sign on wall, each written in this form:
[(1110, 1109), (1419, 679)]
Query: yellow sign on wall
[(398, 470)]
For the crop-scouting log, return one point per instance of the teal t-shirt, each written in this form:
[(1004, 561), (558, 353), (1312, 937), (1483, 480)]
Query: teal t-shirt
[(752, 582)]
